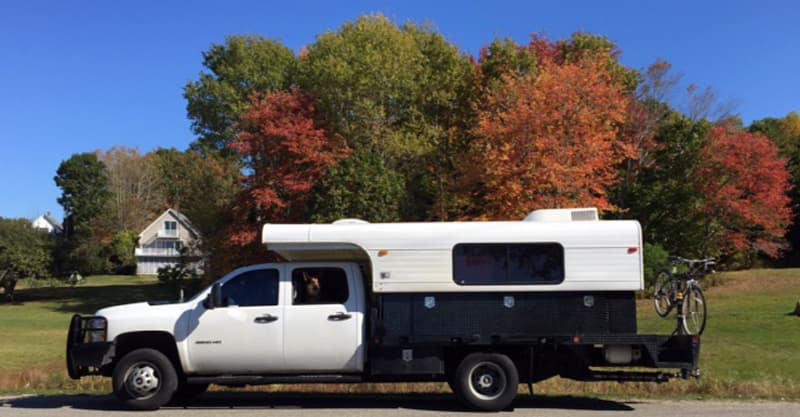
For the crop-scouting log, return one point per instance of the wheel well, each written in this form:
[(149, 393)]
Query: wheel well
[(160, 341), (519, 355), (534, 363)]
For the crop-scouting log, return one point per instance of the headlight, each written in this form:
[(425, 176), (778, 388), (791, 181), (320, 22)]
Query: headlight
[(96, 330)]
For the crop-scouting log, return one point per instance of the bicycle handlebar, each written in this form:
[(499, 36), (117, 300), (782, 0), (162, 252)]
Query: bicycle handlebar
[(705, 262)]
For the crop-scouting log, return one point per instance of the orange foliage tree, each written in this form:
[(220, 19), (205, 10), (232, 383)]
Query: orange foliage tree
[(551, 138), (746, 186), (285, 154)]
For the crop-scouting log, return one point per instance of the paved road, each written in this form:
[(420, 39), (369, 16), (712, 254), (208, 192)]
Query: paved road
[(279, 405)]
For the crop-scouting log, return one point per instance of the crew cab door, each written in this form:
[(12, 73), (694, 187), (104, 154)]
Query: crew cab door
[(324, 333), (245, 335)]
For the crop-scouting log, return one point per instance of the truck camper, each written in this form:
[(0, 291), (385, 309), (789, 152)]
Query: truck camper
[(483, 306)]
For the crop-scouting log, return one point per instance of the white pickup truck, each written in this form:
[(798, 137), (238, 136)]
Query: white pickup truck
[(483, 306)]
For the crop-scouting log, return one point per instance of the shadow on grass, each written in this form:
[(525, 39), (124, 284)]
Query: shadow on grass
[(88, 299), (256, 400)]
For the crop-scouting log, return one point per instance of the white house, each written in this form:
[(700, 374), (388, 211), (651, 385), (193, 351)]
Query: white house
[(160, 244), (47, 222)]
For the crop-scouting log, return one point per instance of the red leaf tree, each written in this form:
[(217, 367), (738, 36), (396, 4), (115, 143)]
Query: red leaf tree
[(285, 154), (746, 187), (552, 138)]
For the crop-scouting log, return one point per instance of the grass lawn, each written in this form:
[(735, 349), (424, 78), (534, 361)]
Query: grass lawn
[(751, 347), (34, 326)]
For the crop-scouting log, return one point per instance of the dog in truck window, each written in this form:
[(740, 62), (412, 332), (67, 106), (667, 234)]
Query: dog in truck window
[(312, 290)]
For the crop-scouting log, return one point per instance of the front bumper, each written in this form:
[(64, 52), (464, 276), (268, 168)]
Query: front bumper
[(83, 357)]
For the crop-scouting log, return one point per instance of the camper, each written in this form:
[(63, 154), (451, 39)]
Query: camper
[(482, 306)]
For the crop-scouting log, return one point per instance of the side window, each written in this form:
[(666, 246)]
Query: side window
[(512, 263), (252, 288), (319, 286)]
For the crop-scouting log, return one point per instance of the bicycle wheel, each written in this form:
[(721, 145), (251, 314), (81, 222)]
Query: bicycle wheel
[(694, 310), (663, 294)]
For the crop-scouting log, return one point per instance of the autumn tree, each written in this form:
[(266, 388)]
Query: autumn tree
[(785, 133), (285, 155), (242, 66), (746, 185), (134, 195), (550, 139)]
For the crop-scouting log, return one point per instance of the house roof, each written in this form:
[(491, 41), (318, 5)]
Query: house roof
[(178, 216), (50, 220), (55, 223)]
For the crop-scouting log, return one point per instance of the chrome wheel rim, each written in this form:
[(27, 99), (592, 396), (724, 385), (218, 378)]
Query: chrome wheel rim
[(142, 381), (487, 381)]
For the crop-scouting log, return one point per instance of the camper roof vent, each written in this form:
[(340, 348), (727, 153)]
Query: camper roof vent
[(563, 215), (350, 221)]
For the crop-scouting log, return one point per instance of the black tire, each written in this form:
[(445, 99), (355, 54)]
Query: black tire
[(694, 311), (663, 293), (486, 381), (144, 379), (187, 392)]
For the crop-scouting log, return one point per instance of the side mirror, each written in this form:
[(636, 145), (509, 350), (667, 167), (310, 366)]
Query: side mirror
[(214, 298)]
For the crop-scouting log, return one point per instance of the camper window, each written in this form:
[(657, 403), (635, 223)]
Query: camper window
[(508, 263)]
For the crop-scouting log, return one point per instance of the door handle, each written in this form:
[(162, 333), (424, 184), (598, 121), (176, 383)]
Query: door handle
[(339, 316), (266, 318)]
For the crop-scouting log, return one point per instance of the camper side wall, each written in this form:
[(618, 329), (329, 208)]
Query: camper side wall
[(491, 318)]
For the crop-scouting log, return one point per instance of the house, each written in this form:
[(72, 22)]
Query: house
[(47, 222), (161, 242)]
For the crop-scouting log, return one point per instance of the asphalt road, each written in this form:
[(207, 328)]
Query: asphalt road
[(259, 404)]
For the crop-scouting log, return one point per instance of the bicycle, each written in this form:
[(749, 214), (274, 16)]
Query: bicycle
[(676, 288)]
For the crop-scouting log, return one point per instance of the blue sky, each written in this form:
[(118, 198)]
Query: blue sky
[(93, 74)]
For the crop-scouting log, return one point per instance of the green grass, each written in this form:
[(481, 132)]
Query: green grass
[(34, 326), (751, 347), (751, 334)]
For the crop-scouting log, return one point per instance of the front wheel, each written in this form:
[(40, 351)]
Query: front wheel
[(663, 294), (694, 311), (486, 381), (144, 379)]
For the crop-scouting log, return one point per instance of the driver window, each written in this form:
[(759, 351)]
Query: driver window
[(252, 288)]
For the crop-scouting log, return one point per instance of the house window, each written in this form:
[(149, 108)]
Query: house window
[(171, 228), (508, 263), (165, 244)]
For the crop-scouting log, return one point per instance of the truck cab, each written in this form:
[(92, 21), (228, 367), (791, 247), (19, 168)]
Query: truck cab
[(256, 320)]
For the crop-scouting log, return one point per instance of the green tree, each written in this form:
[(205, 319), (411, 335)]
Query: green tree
[(402, 93), (84, 193), (203, 189), (359, 187), (365, 78), (122, 247), (664, 197), (242, 66), (504, 57), (83, 180), (25, 250)]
